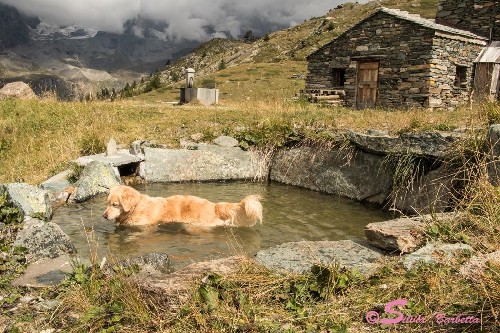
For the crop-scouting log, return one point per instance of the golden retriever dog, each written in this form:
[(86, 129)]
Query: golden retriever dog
[(129, 207)]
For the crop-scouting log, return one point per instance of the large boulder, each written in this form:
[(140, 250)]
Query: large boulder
[(351, 173), (201, 163), (32, 200), (96, 178), (43, 240), (300, 257), (18, 90), (402, 235)]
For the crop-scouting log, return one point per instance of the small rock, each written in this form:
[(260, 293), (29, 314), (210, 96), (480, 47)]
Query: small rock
[(136, 148), (375, 132), (111, 148), (196, 137), (226, 141), (476, 267), (50, 304), (435, 253), (187, 144), (26, 299), (49, 330), (402, 235), (4, 256)]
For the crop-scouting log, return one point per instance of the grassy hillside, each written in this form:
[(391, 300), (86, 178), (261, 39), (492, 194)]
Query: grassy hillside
[(273, 57)]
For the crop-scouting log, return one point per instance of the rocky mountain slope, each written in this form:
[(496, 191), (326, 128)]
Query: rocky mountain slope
[(75, 60)]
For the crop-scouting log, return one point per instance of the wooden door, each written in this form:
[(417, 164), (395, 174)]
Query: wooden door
[(482, 80), (367, 84)]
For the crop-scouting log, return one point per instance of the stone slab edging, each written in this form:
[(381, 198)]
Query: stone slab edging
[(431, 144), (300, 257)]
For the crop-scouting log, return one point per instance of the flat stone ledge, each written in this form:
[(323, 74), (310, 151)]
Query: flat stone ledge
[(57, 183), (121, 157), (300, 257), (433, 144), (46, 273)]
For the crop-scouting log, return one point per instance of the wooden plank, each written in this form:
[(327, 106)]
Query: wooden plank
[(367, 84)]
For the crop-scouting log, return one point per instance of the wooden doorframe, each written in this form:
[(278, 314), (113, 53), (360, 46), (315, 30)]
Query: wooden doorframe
[(359, 98)]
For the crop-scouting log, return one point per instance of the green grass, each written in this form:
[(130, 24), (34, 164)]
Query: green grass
[(38, 137)]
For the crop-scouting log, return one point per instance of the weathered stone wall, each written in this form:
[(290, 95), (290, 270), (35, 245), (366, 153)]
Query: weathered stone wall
[(478, 16), (447, 54), (417, 64), (404, 48)]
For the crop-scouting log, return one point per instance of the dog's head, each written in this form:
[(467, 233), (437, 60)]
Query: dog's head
[(121, 200)]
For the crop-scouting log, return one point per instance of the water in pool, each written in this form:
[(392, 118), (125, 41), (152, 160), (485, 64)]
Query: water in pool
[(290, 214)]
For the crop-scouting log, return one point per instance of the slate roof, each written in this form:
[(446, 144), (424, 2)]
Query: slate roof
[(430, 23), (415, 18)]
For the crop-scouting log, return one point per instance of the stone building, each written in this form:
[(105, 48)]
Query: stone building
[(396, 59)]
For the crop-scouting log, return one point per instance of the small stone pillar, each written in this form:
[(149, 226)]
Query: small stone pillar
[(189, 72)]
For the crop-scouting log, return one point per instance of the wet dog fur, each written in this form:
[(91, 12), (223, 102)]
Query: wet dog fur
[(128, 206)]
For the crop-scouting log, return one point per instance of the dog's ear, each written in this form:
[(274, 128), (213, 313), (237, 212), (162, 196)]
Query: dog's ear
[(129, 198)]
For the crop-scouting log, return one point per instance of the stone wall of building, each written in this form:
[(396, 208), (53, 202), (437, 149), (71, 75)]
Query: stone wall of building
[(402, 47), (448, 53), (478, 16), (417, 64)]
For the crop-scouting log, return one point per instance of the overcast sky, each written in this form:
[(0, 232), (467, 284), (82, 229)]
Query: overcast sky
[(186, 18)]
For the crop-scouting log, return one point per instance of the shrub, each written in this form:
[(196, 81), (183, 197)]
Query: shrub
[(91, 145)]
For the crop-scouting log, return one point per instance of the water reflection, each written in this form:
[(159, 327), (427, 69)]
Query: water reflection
[(290, 214)]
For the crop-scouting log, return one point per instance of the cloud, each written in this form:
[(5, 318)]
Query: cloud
[(186, 19)]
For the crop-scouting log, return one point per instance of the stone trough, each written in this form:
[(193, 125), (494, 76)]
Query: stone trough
[(202, 162)]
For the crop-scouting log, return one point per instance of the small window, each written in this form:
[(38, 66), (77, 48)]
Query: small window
[(461, 77), (338, 77)]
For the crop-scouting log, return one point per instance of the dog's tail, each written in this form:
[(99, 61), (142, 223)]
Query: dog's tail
[(243, 214)]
